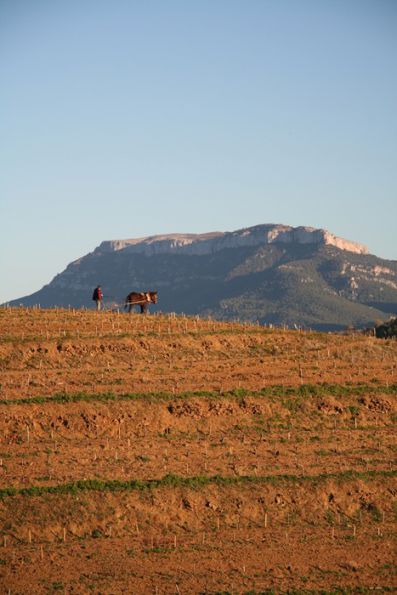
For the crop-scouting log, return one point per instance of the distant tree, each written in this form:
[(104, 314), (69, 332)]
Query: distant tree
[(387, 330)]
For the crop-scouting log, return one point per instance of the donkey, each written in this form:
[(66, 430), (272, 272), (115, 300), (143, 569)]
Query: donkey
[(142, 299)]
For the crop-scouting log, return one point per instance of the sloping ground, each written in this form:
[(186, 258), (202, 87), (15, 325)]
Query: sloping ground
[(175, 455)]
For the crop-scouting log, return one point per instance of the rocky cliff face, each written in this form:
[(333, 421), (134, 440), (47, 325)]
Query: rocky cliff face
[(201, 244)]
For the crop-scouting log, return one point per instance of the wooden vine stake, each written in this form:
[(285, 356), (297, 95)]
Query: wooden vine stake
[(265, 520)]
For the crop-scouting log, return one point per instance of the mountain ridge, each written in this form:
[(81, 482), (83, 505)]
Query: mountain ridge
[(292, 276), (207, 243)]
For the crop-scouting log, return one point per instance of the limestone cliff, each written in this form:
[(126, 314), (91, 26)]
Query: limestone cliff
[(200, 244)]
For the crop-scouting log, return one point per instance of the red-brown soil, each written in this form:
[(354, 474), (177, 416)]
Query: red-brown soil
[(297, 427)]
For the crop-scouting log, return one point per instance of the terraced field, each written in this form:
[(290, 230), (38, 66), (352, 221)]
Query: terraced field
[(167, 454)]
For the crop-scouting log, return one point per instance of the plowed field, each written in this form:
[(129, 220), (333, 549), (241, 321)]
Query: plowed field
[(164, 454)]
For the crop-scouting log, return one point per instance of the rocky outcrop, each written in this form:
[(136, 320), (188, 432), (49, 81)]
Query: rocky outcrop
[(201, 244)]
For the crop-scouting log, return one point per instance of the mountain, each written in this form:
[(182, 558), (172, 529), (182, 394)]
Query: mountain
[(272, 273)]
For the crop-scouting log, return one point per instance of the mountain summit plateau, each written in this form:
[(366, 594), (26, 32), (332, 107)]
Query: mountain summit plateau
[(208, 243)]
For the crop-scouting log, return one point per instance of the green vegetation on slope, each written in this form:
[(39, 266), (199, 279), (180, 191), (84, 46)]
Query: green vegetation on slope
[(278, 390), (114, 485)]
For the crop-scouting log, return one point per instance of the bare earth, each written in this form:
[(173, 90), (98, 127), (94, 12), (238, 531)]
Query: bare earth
[(164, 454)]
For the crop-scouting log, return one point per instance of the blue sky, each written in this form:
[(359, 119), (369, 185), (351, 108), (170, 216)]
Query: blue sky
[(127, 118)]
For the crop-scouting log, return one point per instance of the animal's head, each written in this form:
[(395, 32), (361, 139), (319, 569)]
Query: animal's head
[(153, 297)]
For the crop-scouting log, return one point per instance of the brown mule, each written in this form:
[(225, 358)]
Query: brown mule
[(142, 299)]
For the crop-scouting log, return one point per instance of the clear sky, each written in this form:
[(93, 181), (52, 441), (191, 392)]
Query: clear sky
[(128, 118)]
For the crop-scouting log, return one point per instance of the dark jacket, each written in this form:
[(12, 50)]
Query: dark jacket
[(97, 295)]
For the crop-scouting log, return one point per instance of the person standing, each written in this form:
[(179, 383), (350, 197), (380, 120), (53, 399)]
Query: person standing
[(97, 296)]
